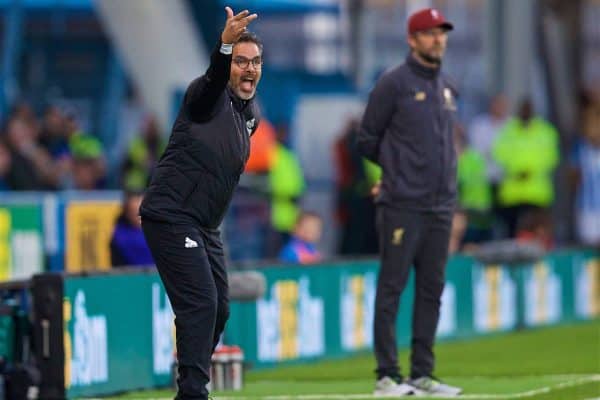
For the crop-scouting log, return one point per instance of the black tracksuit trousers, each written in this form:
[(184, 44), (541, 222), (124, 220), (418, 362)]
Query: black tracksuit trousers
[(409, 238), (191, 264)]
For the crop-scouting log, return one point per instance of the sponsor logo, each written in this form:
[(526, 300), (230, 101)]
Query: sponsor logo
[(357, 310), (250, 125), (495, 299), (291, 323), (543, 295), (449, 102), (88, 347), (587, 288), (447, 323), (162, 332), (397, 236), (189, 243)]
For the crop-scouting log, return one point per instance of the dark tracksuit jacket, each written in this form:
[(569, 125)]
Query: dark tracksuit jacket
[(183, 207), (408, 130)]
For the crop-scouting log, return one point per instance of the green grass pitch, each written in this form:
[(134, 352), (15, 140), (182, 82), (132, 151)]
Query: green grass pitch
[(539, 364)]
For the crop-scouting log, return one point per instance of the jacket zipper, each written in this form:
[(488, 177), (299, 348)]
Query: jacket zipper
[(236, 119), (442, 139)]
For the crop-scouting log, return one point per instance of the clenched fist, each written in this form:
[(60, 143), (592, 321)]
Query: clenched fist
[(236, 25)]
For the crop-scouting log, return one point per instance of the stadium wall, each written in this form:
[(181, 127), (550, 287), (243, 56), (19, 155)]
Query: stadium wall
[(118, 330)]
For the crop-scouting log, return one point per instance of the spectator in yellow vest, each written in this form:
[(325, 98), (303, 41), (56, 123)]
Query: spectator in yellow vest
[(527, 150), (286, 183), (142, 156), (474, 191)]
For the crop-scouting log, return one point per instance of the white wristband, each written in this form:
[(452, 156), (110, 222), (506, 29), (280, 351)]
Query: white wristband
[(226, 48)]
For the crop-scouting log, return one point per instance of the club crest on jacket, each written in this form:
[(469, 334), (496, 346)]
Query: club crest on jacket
[(250, 125)]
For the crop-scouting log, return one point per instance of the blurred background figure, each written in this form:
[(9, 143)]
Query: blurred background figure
[(53, 135), (483, 131), (128, 246), (286, 187), (527, 150), (355, 208), (88, 163), (474, 190), (54, 139), (5, 161), (302, 245), (31, 166), (585, 164), (142, 156), (535, 226), (23, 111)]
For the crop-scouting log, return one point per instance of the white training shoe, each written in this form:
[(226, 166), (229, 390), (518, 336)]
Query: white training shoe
[(428, 386), (387, 387)]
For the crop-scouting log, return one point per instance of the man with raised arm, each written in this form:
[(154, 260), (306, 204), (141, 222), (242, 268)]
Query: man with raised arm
[(190, 191)]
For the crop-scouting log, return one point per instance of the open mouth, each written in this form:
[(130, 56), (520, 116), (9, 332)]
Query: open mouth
[(247, 84)]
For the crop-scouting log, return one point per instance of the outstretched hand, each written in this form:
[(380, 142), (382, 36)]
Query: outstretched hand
[(236, 25)]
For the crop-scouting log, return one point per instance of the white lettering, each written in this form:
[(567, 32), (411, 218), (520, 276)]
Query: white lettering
[(90, 356), (162, 338)]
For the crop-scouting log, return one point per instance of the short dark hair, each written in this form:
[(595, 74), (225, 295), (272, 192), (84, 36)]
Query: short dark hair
[(250, 37)]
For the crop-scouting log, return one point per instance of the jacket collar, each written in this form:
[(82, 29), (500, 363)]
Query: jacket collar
[(420, 69), (238, 103)]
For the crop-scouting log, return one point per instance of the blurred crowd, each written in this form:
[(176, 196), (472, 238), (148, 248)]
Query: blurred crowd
[(507, 176), (506, 173), (51, 152)]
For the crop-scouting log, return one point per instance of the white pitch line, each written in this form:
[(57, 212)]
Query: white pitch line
[(581, 379), (451, 377), (366, 396)]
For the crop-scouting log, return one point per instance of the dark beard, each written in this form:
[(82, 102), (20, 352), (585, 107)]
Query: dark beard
[(430, 59)]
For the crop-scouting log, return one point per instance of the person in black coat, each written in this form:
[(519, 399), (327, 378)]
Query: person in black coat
[(190, 191), (408, 130)]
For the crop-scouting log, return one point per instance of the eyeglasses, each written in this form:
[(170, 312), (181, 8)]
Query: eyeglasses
[(244, 62)]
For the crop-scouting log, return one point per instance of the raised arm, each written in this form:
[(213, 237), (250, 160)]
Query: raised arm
[(202, 94)]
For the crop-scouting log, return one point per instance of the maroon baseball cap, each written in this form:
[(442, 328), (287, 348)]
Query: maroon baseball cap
[(427, 18)]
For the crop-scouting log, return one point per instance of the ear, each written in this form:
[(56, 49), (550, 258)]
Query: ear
[(412, 41)]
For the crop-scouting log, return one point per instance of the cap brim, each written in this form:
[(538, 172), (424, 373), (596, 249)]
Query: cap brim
[(447, 26)]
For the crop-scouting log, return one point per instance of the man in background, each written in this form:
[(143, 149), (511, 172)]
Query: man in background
[(527, 150), (408, 130)]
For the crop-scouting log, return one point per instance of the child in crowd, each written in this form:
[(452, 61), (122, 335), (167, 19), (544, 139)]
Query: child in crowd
[(301, 247)]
